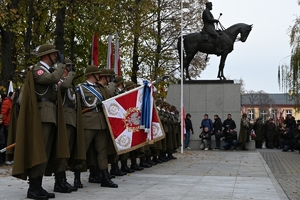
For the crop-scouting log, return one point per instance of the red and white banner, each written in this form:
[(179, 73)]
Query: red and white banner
[(117, 62), (94, 60), (123, 114), (110, 55)]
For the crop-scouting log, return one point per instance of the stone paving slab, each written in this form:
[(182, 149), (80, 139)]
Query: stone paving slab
[(194, 175)]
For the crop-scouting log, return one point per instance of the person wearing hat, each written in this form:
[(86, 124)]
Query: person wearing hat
[(209, 26), (73, 120), (244, 131), (36, 134), (92, 93), (119, 84), (129, 85)]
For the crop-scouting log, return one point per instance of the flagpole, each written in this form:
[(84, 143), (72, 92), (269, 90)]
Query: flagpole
[(181, 82)]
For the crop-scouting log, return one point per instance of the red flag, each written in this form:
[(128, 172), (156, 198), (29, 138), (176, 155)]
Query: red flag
[(117, 62), (95, 50), (110, 54), (123, 114)]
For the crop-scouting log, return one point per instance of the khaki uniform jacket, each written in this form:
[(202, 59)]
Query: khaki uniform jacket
[(92, 119)]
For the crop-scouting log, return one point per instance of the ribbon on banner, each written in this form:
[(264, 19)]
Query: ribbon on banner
[(145, 122)]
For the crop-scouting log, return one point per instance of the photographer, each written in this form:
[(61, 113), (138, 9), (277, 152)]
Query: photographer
[(205, 139), (230, 139), (286, 141)]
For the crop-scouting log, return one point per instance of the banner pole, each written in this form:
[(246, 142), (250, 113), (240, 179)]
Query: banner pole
[(181, 82)]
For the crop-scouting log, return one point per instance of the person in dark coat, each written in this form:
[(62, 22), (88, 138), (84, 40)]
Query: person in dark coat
[(189, 129), (286, 141), (228, 123), (259, 129), (217, 131), (230, 139)]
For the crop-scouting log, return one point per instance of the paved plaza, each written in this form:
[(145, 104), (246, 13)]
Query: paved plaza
[(258, 174)]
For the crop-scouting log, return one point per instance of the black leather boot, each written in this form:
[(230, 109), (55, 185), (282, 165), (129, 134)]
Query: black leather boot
[(77, 181), (106, 182), (171, 156), (149, 161), (47, 194), (34, 191), (156, 160), (59, 185), (66, 183), (94, 177), (125, 168), (115, 170), (135, 166), (143, 162)]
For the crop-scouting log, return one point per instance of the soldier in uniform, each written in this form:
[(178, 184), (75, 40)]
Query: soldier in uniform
[(244, 131), (73, 119), (35, 135), (259, 128), (95, 125)]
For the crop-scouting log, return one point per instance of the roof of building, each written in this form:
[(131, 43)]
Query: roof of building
[(277, 99)]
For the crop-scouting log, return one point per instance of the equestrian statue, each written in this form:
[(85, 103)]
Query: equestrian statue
[(212, 41)]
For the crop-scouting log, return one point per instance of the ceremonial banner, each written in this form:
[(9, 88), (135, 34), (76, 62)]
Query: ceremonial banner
[(124, 113)]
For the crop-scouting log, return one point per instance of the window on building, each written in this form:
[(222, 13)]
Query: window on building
[(288, 112), (263, 115), (274, 113), (251, 114)]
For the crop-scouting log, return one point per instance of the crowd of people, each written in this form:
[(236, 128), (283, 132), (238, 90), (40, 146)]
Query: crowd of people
[(284, 135), (63, 127)]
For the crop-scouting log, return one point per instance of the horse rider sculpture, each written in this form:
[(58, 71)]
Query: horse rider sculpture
[(209, 27)]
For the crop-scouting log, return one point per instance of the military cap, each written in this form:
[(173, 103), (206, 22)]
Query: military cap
[(68, 61), (44, 50), (104, 72), (92, 69), (244, 115), (111, 72), (119, 80), (173, 107), (158, 101), (129, 84)]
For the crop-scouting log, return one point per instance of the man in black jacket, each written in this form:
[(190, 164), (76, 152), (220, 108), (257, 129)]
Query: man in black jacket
[(228, 123), (287, 140), (230, 139), (217, 125), (189, 130)]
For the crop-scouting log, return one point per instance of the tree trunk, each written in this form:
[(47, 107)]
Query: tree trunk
[(59, 31)]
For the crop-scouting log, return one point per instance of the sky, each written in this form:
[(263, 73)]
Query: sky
[(256, 61)]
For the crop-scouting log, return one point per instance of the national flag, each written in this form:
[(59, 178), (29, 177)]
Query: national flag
[(94, 60), (117, 62), (124, 114), (110, 54), (10, 88)]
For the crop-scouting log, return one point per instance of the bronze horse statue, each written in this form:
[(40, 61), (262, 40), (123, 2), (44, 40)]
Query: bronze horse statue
[(195, 42)]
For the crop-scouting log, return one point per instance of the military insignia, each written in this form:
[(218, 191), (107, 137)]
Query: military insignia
[(132, 119), (55, 87), (123, 141), (40, 72), (113, 109)]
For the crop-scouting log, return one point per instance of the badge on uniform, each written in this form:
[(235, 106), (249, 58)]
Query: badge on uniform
[(40, 72)]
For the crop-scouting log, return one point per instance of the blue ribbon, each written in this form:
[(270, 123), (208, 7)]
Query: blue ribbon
[(146, 106)]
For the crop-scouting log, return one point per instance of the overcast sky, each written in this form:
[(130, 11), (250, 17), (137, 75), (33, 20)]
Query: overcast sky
[(256, 61)]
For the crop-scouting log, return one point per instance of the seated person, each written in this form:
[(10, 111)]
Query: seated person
[(206, 138), (286, 141), (230, 139)]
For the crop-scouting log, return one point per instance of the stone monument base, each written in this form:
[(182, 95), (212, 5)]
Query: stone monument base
[(212, 97)]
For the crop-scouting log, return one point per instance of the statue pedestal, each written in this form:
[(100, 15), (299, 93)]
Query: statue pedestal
[(212, 97)]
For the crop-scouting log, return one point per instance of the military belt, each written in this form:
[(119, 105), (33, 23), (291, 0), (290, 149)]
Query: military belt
[(46, 100), (69, 106)]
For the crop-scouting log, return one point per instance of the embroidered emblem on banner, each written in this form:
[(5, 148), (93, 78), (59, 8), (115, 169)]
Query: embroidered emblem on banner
[(113, 109), (155, 129), (132, 119), (123, 141)]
